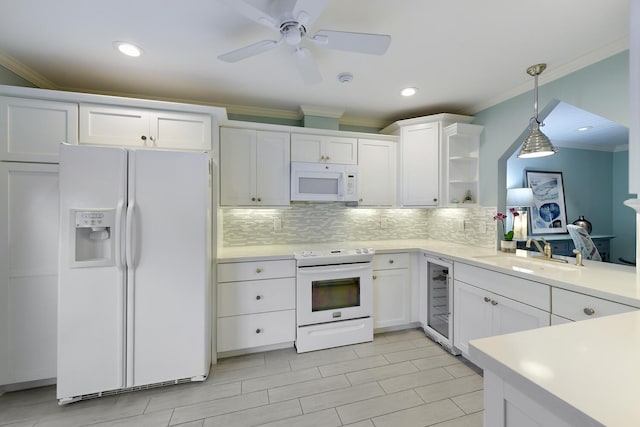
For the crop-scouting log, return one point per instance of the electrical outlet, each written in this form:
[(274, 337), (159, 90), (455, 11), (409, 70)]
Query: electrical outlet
[(277, 224), (483, 227), (460, 224), (383, 223)]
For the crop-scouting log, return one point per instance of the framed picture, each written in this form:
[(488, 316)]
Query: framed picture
[(548, 213)]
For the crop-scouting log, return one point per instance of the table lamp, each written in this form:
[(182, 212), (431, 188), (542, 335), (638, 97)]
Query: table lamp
[(520, 199)]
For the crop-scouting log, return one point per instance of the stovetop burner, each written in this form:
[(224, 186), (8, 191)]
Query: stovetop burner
[(333, 256)]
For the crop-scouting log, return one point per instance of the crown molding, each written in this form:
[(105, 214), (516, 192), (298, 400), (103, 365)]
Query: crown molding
[(25, 72), (550, 75)]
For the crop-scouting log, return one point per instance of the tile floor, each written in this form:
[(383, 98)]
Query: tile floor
[(401, 379)]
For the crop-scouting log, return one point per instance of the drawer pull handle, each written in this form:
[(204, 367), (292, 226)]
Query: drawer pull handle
[(375, 277), (258, 331), (487, 299), (589, 311), (258, 270), (494, 302), (390, 261), (258, 297)]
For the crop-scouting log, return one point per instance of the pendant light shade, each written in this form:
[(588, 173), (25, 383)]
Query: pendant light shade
[(536, 144)]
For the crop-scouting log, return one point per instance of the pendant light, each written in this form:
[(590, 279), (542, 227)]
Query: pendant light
[(536, 144)]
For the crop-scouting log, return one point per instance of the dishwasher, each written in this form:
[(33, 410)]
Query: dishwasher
[(438, 322)]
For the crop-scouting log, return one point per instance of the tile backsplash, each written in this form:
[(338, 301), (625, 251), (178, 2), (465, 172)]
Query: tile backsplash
[(334, 222)]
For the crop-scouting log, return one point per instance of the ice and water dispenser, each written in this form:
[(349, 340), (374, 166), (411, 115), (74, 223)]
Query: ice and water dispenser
[(93, 237)]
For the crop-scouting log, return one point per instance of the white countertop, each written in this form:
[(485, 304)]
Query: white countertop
[(593, 366), (614, 282)]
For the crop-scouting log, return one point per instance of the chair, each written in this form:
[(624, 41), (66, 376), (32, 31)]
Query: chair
[(582, 241)]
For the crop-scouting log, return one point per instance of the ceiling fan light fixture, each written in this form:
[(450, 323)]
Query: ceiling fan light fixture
[(409, 91), (536, 144), (128, 49)]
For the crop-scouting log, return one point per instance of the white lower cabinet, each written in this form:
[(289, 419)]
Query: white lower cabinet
[(484, 305), (391, 290), (28, 271), (256, 304), (576, 306)]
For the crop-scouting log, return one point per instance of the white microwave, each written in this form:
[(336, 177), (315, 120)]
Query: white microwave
[(321, 182)]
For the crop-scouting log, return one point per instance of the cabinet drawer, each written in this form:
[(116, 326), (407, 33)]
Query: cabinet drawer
[(256, 296), (256, 270), (255, 330), (526, 291), (575, 306), (389, 261)]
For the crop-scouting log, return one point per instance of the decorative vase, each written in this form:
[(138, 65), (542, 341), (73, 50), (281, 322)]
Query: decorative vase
[(584, 223), (508, 246)]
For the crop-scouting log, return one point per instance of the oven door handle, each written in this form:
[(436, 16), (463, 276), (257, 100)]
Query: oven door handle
[(333, 269)]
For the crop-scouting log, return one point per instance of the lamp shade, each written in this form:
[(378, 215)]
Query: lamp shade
[(519, 197), (537, 144)]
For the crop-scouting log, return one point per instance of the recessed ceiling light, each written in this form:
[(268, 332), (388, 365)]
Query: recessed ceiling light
[(584, 128), (127, 49), (409, 91)]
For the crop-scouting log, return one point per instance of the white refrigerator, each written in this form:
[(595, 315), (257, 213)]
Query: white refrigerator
[(135, 263)]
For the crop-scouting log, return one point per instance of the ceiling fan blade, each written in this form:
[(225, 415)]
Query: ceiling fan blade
[(307, 66), (248, 51), (254, 13), (307, 11), (373, 44)]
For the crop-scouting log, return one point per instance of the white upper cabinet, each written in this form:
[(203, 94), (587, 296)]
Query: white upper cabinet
[(114, 125), (324, 149), (31, 130), (254, 168), (419, 173), (377, 172), (460, 164)]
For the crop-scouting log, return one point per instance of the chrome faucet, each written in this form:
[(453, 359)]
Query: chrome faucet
[(546, 252)]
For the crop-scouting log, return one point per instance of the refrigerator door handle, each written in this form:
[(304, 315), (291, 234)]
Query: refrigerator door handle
[(120, 252), (129, 238)]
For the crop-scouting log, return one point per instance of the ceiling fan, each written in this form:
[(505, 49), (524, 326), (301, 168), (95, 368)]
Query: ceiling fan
[(292, 18)]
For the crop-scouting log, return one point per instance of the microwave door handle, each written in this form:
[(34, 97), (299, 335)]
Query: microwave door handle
[(341, 185)]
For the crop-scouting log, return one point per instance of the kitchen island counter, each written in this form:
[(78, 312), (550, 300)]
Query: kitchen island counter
[(583, 373)]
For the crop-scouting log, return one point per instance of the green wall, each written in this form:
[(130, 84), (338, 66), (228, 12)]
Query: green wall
[(624, 218), (587, 176), (601, 88)]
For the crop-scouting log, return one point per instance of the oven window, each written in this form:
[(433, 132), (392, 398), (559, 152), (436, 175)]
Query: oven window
[(335, 293)]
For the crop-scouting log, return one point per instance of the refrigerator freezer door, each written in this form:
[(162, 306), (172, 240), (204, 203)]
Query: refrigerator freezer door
[(168, 275), (91, 297)]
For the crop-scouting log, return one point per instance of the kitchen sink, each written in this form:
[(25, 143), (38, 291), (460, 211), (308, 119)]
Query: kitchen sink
[(529, 264)]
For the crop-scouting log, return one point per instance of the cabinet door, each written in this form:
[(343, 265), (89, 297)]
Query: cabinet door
[(106, 125), (273, 171), (28, 271), (391, 290), (377, 172), (341, 150), (472, 315), (513, 316), (307, 148), (238, 155), (182, 131), (419, 164), (31, 129)]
